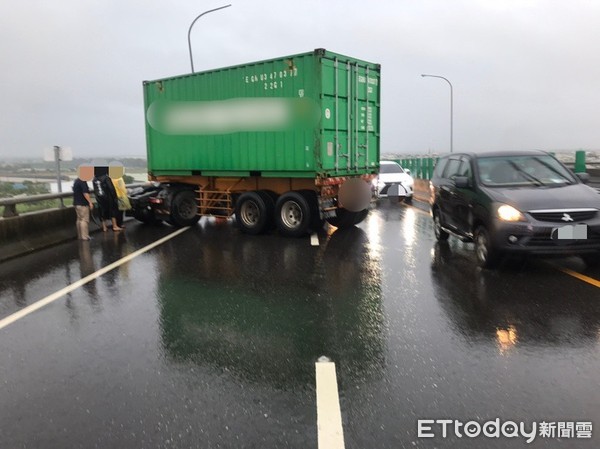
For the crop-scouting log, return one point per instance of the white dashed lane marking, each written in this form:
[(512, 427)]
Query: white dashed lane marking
[(329, 416)]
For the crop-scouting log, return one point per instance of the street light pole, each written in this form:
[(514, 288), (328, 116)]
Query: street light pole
[(451, 108), (58, 178), (190, 30)]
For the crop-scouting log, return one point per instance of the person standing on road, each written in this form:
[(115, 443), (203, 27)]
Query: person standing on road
[(82, 201), (105, 194), (116, 172)]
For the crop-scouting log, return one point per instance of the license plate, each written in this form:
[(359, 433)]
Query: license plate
[(570, 232)]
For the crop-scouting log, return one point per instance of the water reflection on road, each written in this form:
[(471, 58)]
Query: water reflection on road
[(516, 306), (266, 308)]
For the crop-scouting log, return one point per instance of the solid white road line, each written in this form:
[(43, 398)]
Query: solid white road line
[(329, 416), (314, 239), (69, 288)]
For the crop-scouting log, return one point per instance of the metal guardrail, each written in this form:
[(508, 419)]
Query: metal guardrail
[(10, 204), (422, 167), (419, 170), (33, 198)]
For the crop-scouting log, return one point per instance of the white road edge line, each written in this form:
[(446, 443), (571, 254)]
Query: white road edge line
[(329, 416), (69, 288), (314, 239)]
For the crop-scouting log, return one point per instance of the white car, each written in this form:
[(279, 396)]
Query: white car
[(393, 181)]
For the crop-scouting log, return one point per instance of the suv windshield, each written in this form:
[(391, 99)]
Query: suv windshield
[(390, 168), (531, 170)]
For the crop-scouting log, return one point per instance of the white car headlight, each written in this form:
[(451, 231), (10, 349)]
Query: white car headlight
[(509, 213)]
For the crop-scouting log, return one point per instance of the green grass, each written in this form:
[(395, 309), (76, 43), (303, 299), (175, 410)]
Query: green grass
[(42, 205)]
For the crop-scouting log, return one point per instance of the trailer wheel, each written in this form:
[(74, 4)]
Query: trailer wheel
[(254, 212), (345, 219), (184, 209), (360, 216), (313, 203), (270, 198), (293, 214)]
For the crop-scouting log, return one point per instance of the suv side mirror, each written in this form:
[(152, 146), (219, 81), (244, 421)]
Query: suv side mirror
[(407, 171), (462, 182), (584, 177)]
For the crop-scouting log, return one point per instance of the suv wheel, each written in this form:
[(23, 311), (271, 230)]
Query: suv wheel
[(487, 255), (440, 234)]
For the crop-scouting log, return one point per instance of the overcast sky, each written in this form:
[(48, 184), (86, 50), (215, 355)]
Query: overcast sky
[(526, 73)]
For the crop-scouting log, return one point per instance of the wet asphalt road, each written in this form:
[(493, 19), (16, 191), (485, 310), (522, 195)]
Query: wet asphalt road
[(210, 340)]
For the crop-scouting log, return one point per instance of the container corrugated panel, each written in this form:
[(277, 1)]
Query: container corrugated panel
[(306, 115)]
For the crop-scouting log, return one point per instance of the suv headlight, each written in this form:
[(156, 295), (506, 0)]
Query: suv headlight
[(509, 213)]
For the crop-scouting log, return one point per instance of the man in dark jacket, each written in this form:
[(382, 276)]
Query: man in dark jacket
[(82, 201), (105, 194)]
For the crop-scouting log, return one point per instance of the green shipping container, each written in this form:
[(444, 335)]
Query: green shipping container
[(309, 115)]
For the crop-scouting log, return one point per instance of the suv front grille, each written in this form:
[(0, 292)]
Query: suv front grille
[(564, 216), (543, 238)]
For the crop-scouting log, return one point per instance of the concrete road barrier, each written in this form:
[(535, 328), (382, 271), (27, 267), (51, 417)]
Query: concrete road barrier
[(37, 230)]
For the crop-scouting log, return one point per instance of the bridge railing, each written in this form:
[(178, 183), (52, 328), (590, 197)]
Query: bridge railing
[(422, 167), (10, 204)]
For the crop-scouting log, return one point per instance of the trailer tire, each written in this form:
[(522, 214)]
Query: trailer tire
[(184, 209), (345, 219), (293, 214), (272, 195), (254, 212), (270, 198), (317, 222), (360, 216)]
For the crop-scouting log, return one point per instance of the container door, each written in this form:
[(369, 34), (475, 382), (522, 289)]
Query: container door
[(357, 119), (351, 116)]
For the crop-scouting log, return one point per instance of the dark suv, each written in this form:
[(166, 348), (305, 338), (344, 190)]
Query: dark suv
[(515, 202)]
